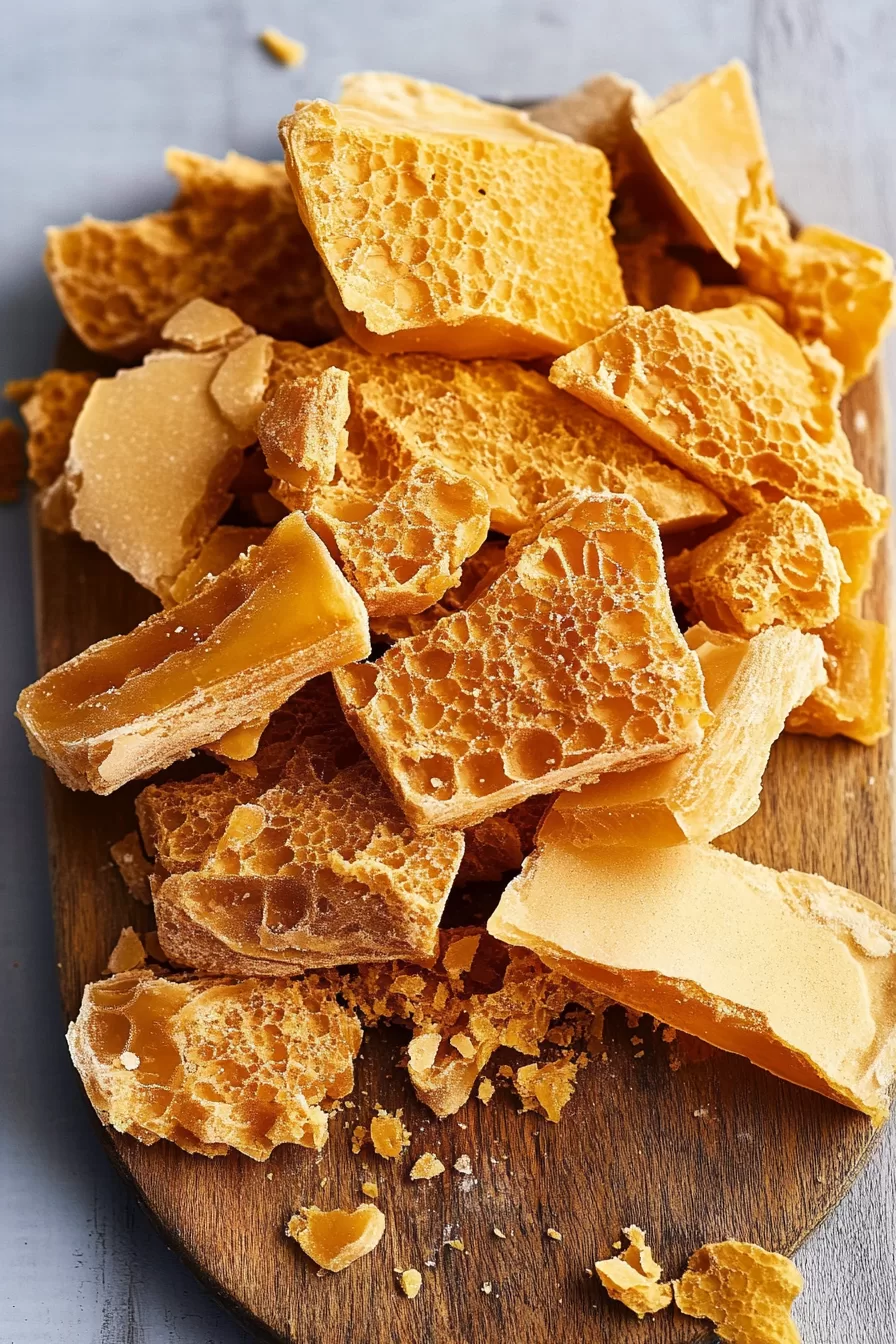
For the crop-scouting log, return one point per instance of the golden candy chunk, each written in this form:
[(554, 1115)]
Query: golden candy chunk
[(854, 702), (133, 865), (857, 547), (235, 651), (633, 1277), (231, 236), (705, 141), (336, 1238), (787, 969), (746, 1292), (774, 566), (489, 707), (503, 425), (301, 432), (547, 1088), (215, 1065), (284, 49), (201, 325), (239, 386), (224, 546), (388, 1135), (407, 551), (426, 1167), (729, 397), (50, 406), (458, 234), (128, 953), (751, 686)]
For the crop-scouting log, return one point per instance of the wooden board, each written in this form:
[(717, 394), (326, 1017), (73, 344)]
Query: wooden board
[(714, 1150)]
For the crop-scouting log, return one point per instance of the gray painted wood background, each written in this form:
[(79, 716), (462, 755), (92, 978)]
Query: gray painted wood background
[(91, 92)]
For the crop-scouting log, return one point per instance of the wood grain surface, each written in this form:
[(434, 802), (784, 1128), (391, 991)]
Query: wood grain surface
[(716, 1149)]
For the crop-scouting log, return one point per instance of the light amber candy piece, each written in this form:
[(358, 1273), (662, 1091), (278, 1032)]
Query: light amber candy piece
[(301, 432), (854, 702), (235, 651), (857, 547), (426, 1167), (232, 236), (787, 969), (476, 574), (133, 865), (488, 707), (731, 398), (407, 551), (633, 1277), (224, 546), (468, 233), (151, 461), (128, 953), (774, 566), (751, 686), (547, 1088), (50, 405), (335, 1238), (215, 1064), (746, 1292), (284, 49), (505, 426), (388, 1134)]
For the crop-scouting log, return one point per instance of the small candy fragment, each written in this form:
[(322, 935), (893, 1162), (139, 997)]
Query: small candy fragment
[(633, 1278), (388, 1135), (301, 432), (128, 954), (546, 1088), (426, 1167), (335, 1238), (284, 49), (411, 1281), (854, 701)]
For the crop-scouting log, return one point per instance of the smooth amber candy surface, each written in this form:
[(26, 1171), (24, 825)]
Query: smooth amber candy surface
[(235, 651)]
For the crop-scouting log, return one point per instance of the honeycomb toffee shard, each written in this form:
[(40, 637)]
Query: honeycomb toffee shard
[(568, 665), (633, 1277), (751, 686), (301, 431), (787, 969), (729, 397), (455, 234), (335, 1238), (854, 701), (746, 1292), (215, 1065), (50, 406), (232, 653)]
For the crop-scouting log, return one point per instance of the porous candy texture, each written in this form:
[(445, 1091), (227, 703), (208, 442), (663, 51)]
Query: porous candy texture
[(301, 431), (569, 664), (215, 1065), (469, 243), (407, 552), (50, 406), (476, 574), (747, 1292), (231, 236), (731, 398), (479, 995), (854, 703), (335, 1238), (505, 426), (774, 566)]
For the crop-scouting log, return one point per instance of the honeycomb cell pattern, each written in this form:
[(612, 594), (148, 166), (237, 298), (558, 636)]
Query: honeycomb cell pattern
[(731, 398), (570, 663), (408, 551), (505, 426), (232, 236), (459, 243), (215, 1065), (300, 432), (775, 566), (475, 576), (746, 1292), (50, 406)]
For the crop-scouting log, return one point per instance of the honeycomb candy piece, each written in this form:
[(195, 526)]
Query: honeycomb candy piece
[(225, 545), (215, 1064), (201, 326), (857, 548), (487, 241), (854, 702), (731, 398), (301, 432), (633, 1277), (426, 1167), (751, 686), (335, 1238), (746, 1292), (488, 707), (705, 140), (239, 386), (411, 1281), (284, 49), (600, 112), (503, 425), (388, 1134), (50, 405), (461, 1012), (421, 105), (407, 552), (238, 649), (312, 873), (12, 465), (547, 1088), (773, 566), (476, 573), (231, 236), (150, 463), (128, 954), (787, 969), (135, 868), (498, 845), (181, 821)]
